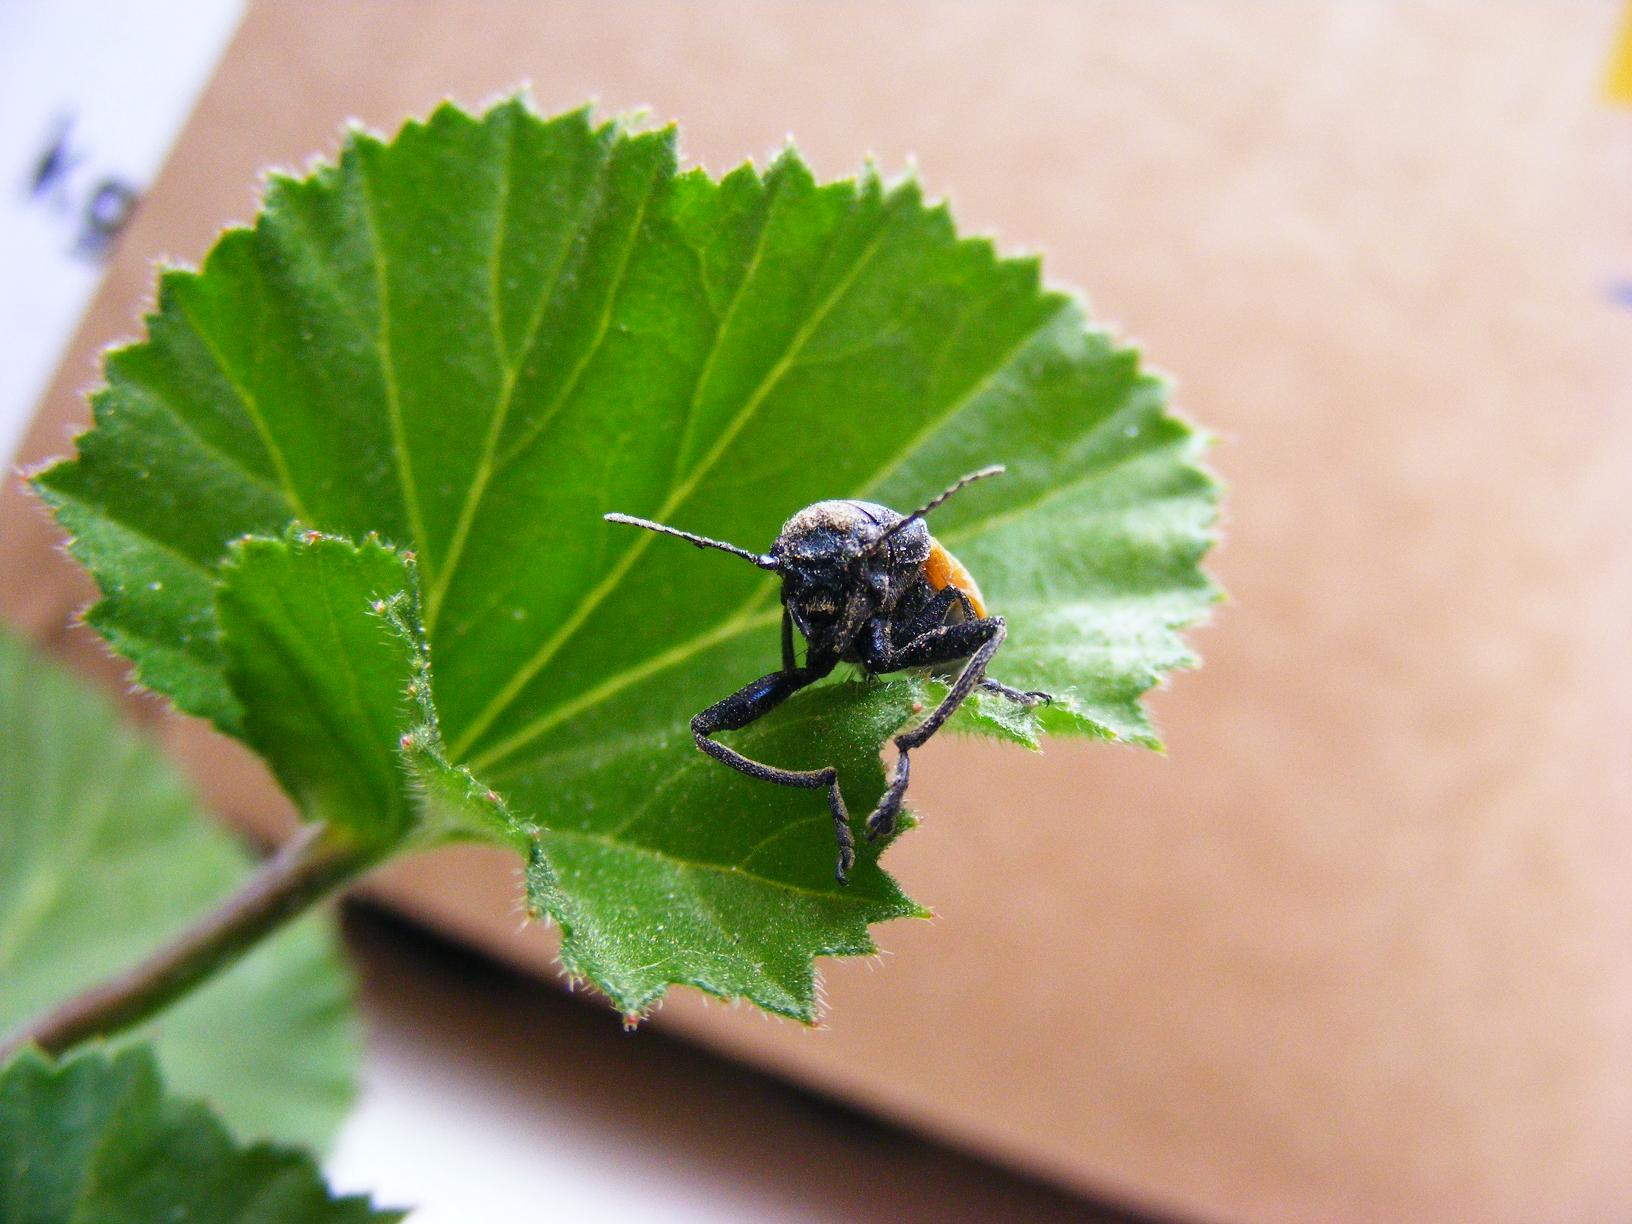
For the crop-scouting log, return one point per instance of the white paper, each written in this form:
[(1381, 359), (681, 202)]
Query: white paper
[(92, 95)]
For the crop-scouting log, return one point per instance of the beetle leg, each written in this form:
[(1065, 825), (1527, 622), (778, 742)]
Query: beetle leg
[(932, 615), (753, 701), (789, 661), (976, 639), (1028, 697), (938, 607)]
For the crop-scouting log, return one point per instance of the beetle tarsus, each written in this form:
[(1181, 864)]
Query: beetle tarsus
[(841, 828), (847, 853), (1020, 697), (881, 823)]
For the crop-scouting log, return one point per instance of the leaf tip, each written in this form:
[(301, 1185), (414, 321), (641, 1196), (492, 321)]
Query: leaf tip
[(904, 187)]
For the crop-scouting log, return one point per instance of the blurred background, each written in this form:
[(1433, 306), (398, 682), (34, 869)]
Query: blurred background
[(1360, 946)]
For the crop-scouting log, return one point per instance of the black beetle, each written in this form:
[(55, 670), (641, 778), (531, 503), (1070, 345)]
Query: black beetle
[(865, 585)]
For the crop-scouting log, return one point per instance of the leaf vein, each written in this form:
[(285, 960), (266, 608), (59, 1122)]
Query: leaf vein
[(388, 370), (718, 343), (152, 396), (203, 570), (603, 329), (1093, 474), (20, 922), (301, 667), (781, 832), (300, 239), (496, 258), (615, 684), (268, 440), (353, 688), (730, 869), (486, 467), (935, 424)]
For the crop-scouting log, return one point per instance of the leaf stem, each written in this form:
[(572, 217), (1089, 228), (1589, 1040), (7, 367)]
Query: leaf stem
[(300, 873)]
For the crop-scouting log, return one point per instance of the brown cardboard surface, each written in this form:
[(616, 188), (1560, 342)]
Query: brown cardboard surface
[(1360, 946)]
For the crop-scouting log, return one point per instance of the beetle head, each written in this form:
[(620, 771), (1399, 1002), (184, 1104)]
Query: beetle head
[(837, 570)]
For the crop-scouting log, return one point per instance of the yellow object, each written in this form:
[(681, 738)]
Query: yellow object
[(944, 570), (1618, 85)]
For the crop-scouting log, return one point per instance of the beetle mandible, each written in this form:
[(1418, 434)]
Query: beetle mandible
[(866, 585)]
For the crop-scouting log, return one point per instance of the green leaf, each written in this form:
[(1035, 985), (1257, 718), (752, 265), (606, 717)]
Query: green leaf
[(477, 338), (322, 681), (325, 648), (96, 1138), (737, 907), (104, 856)]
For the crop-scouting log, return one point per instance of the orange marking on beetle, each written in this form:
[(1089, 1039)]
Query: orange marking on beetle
[(944, 570)]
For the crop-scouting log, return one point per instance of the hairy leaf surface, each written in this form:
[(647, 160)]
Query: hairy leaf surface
[(104, 855), (477, 338)]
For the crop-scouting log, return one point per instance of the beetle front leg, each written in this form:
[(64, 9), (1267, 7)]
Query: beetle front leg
[(790, 661), (754, 701), (930, 617), (977, 640)]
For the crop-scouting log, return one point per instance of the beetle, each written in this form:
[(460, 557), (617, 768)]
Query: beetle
[(863, 584)]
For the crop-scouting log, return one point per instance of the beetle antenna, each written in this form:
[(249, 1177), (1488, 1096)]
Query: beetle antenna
[(996, 469), (764, 562)]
